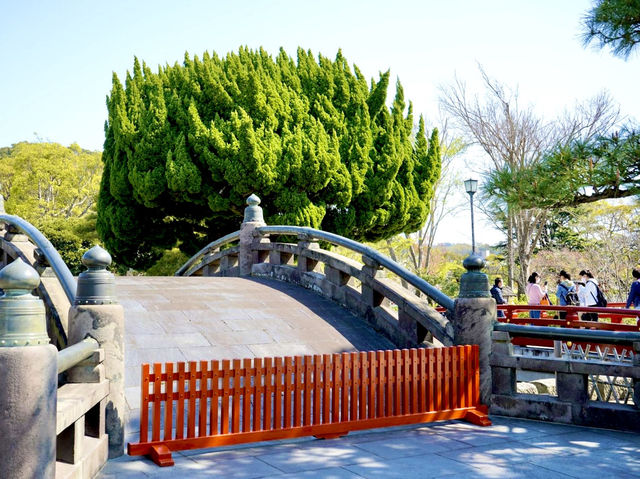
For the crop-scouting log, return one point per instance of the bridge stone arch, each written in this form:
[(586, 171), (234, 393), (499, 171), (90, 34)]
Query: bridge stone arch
[(295, 255)]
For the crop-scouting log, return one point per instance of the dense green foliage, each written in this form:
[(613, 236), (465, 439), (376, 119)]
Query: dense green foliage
[(187, 145), (54, 188), (614, 23)]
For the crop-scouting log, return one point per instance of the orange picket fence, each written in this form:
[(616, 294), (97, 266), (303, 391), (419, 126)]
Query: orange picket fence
[(216, 403)]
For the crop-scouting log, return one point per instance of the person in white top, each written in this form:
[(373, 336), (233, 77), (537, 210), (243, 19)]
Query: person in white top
[(588, 294)]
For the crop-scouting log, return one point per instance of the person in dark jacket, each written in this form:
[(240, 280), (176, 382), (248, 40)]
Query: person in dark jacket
[(565, 286), (634, 292), (496, 293)]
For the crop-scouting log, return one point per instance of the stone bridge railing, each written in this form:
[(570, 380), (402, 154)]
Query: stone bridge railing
[(359, 286)]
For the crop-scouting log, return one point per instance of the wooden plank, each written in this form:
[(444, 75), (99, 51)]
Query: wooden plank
[(470, 397), (390, 380), (423, 368), (364, 382), (346, 382), (335, 388), (439, 381), (476, 376), (308, 383), (168, 404), (258, 393), (415, 384), (182, 378), (382, 383), (277, 408), (157, 403), (398, 382), (203, 396), (447, 377), (191, 414), (372, 384), (268, 392), (432, 380), (288, 372), (355, 382), (214, 406), (455, 377), (236, 412), (326, 394), (317, 387), (297, 390), (144, 404), (246, 394), (406, 382), (226, 392)]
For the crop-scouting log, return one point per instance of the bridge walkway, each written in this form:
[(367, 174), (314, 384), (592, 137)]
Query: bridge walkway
[(170, 319)]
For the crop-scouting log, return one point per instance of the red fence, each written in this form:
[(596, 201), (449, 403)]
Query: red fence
[(216, 403)]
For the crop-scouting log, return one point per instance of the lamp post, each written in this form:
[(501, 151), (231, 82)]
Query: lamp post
[(471, 186)]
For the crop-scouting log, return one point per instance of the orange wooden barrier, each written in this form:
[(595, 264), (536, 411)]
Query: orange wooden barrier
[(324, 396)]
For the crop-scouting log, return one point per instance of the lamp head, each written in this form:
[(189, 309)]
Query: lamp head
[(471, 186)]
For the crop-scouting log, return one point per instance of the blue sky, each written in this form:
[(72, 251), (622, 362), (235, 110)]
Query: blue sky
[(57, 58)]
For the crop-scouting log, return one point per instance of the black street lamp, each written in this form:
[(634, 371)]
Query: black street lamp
[(472, 186)]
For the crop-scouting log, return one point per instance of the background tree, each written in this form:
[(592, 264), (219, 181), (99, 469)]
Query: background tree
[(55, 188), (185, 146), (614, 24), (515, 139)]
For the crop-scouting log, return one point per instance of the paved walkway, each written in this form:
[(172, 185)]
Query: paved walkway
[(511, 448)]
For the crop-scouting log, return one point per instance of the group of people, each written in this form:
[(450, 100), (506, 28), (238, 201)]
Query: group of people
[(583, 292)]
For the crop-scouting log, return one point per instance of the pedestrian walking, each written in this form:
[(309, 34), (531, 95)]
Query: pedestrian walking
[(589, 296), (496, 293), (535, 293), (566, 292), (634, 293)]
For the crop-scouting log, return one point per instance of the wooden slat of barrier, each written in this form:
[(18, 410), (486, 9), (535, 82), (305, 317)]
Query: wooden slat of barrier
[(455, 378), (372, 384), (439, 392), (326, 393), (364, 384), (461, 372), (382, 381), (355, 379), (157, 388), (317, 388), (268, 392), (406, 381), (182, 377), (288, 371), (237, 391), (398, 383), (346, 382), (414, 381), (298, 367), (191, 413), (258, 393), (246, 395), (277, 408), (447, 377), (335, 388), (213, 409), (470, 397), (476, 382), (144, 404), (226, 392), (203, 394), (422, 371), (308, 383), (390, 380), (168, 404)]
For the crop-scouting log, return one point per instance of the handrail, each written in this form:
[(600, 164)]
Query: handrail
[(609, 310), (59, 267), (72, 355), (214, 244), (411, 278), (568, 334)]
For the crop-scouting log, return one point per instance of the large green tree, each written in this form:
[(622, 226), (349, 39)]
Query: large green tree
[(185, 146), (614, 24)]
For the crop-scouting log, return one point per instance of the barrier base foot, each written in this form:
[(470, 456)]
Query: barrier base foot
[(478, 417), (161, 455), (331, 435)]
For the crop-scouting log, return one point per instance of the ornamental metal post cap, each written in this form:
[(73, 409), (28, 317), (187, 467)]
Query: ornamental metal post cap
[(474, 283), (253, 212), (96, 285), (22, 316)]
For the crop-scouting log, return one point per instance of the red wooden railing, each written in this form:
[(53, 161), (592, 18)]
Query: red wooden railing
[(216, 403)]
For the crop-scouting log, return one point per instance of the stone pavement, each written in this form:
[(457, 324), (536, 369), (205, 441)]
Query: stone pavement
[(511, 448), (170, 319)]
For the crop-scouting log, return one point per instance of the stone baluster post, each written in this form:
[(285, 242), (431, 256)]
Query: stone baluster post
[(96, 313), (252, 219), (474, 314), (28, 378)]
